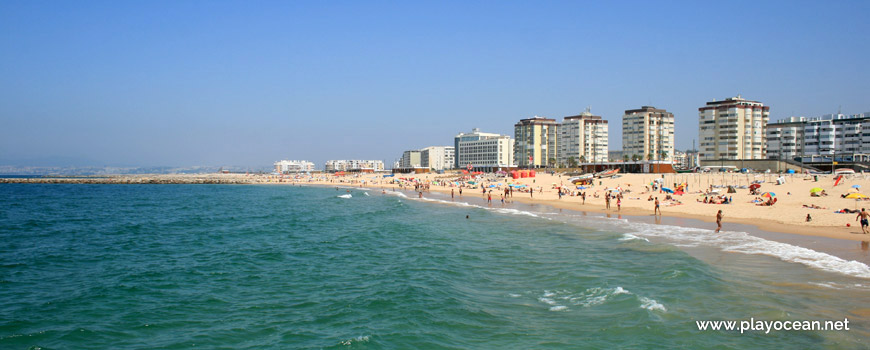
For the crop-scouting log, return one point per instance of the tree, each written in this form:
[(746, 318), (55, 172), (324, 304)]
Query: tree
[(649, 156), (635, 157), (582, 159), (664, 155), (573, 162), (552, 162), (624, 157)]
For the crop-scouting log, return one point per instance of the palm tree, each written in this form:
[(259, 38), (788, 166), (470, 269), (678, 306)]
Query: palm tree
[(572, 162), (664, 155), (624, 157), (552, 162), (649, 156)]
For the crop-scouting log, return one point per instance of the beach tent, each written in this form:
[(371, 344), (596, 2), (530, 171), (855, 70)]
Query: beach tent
[(731, 189), (816, 189)]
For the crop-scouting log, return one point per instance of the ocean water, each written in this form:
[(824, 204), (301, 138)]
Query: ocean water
[(284, 267)]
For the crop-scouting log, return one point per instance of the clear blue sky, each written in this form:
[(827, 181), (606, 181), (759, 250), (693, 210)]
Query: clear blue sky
[(250, 82)]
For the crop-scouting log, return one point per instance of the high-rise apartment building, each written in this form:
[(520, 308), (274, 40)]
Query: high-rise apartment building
[(648, 134), (483, 151), (536, 142), (582, 138), (733, 129)]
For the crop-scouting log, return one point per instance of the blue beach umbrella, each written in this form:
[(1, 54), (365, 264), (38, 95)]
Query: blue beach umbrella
[(581, 187), (856, 186), (668, 190)]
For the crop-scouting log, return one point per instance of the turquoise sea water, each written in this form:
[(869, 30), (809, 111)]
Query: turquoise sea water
[(262, 267)]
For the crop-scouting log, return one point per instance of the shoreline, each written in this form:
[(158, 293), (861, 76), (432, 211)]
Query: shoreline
[(548, 197)]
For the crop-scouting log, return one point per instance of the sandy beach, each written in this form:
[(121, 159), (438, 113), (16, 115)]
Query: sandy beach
[(788, 215)]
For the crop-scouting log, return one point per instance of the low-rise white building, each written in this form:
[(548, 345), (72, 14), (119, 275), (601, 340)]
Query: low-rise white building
[(293, 166), (354, 165), (437, 157), (483, 151)]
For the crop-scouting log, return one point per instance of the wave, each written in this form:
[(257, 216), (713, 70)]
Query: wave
[(742, 242), (345, 196), (560, 300)]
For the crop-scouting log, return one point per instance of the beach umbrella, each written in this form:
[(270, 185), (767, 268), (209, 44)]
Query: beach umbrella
[(816, 189), (856, 196), (754, 186), (856, 186), (768, 194), (668, 190), (581, 187), (472, 183)]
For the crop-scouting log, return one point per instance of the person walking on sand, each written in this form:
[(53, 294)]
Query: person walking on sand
[(607, 201), (658, 210), (719, 221), (863, 215), (451, 193), (618, 203)]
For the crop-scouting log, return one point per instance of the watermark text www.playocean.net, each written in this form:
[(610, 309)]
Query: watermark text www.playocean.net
[(753, 325)]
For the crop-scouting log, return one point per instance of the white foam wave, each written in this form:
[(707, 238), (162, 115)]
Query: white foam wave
[(398, 194), (651, 304), (559, 308), (631, 237), (619, 290), (514, 212), (345, 196), (366, 193), (360, 339), (547, 301), (742, 242)]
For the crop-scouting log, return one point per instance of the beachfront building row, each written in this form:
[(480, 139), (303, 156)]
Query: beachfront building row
[(830, 134), (482, 151), (434, 158), (541, 142), (733, 129), (648, 134), (293, 166), (354, 165)]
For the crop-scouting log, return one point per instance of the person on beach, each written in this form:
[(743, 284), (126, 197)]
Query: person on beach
[(460, 191), (863, 215), (489, 198), (618, 203), (451, 193), (658, 210), (583, 195), (607, 200), (719, 221)]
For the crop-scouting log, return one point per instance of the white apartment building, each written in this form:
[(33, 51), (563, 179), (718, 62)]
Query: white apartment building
[(536, 142), (582, 139), (437, 157), (411, 159), (483, 151), (648, 134), (354, 165), (733, 129), (293, 166), (785, 138), (837, 134)]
